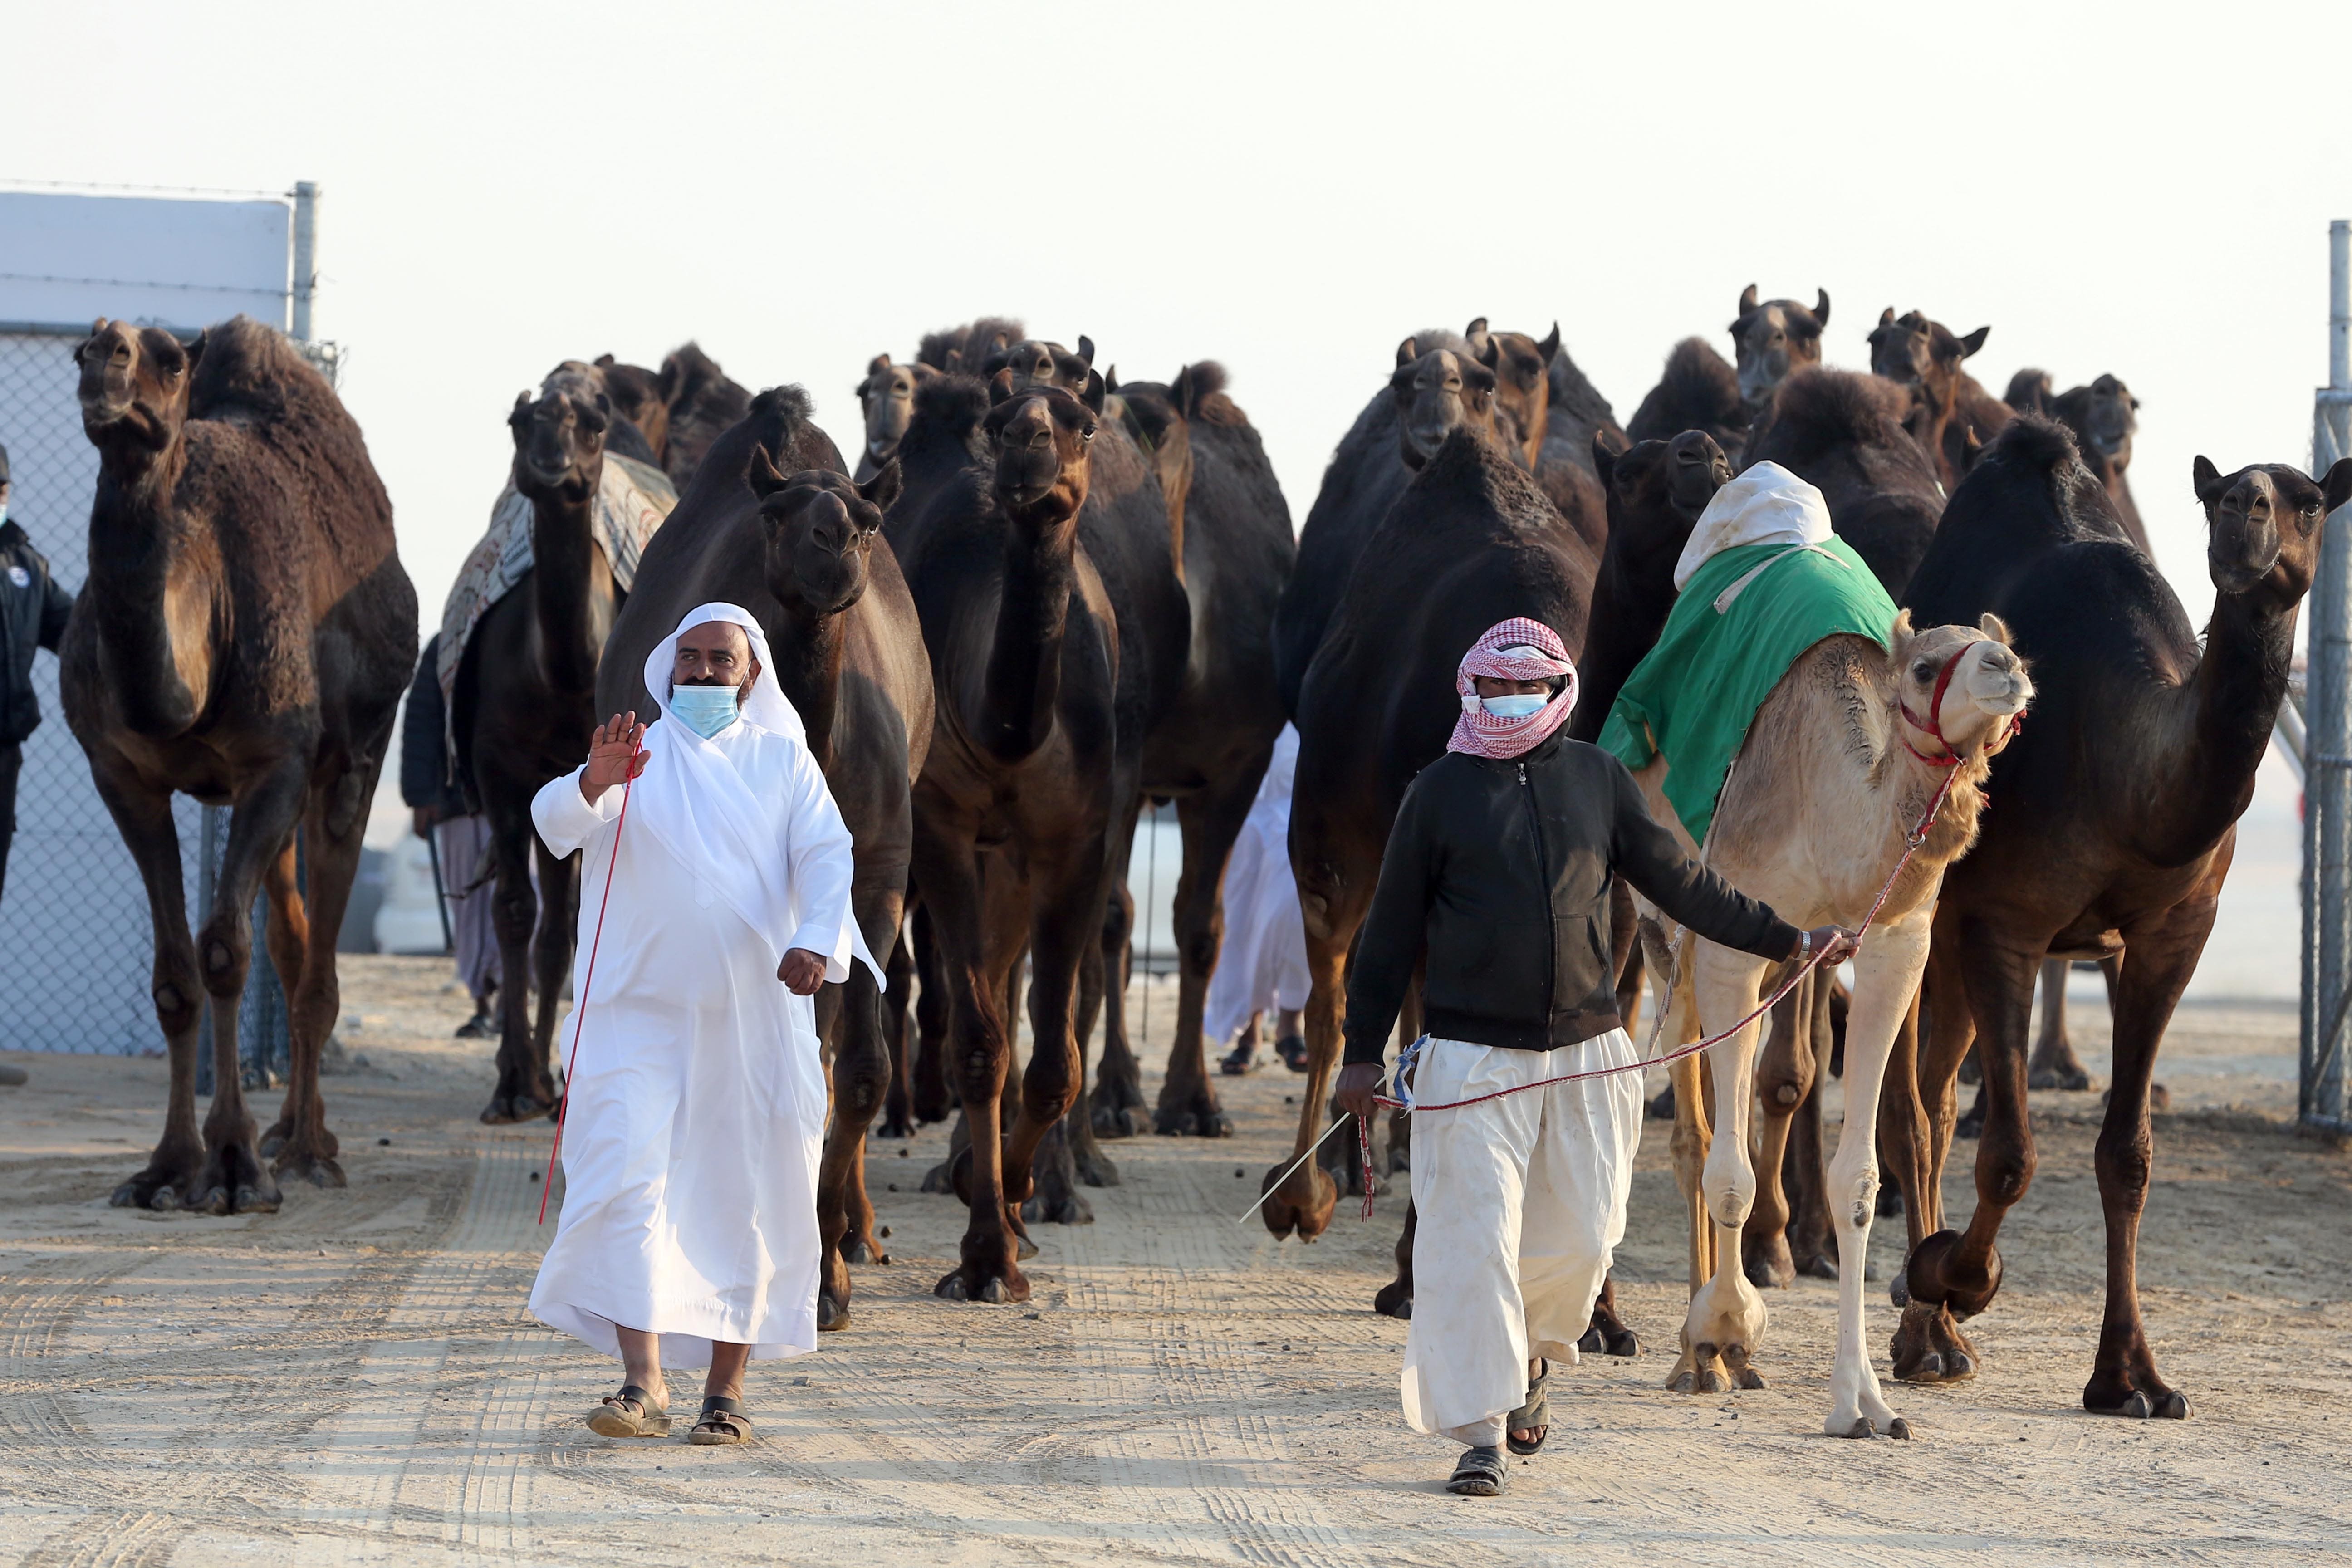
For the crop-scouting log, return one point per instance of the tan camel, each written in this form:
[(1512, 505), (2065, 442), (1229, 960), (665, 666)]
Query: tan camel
[(1838, 768)]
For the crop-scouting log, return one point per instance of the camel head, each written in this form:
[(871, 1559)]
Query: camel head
[(2103, 416), (887, 396), (2263, 526), (558, 442), (637, 396), (1924, 355), (1437, 392), (134, 385), (1656, 491), (1961, 687), (1042, 438), (1772, 339), (1522, 368), (1154, 416), (1033, 361), (821, 527)]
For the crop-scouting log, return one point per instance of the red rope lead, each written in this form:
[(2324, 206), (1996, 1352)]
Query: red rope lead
[(1911, 843), (580, 1008)]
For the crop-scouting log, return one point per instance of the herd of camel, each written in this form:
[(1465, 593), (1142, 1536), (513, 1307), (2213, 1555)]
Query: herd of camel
[(1042, 596)]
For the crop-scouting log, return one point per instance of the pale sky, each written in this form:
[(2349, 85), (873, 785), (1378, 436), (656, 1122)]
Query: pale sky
[(1290, 189)]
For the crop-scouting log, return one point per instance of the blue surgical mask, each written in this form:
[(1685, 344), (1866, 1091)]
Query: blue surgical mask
[(1519, 706), (705, 710)]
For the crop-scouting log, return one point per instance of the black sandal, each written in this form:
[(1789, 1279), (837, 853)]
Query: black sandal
[(1292, 1049), (1240, 1059), (724, 1420), (1481, 1473), (629, 1413), (1536, 1413)]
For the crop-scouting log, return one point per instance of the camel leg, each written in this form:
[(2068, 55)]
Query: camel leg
[(1606, 1333), (2054, 1064), (286, 935), (1211, 821), (1917, 1111), (860, 1077), (2158, 959), (1784, 1075), (332, 842), (1726, 1317), (1887, 976), (1688, 1148), (898, 1101), (1394, 1299), (1810, 1244), (550, 950), (1304, 1203), (174, 1174), (929, 1088), (1962, 1271), (1119, 1103), (1094, 1167), (1067, 900), (520, 1094)]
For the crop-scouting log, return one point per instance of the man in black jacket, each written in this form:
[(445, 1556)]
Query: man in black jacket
[(1499, 867), (33, 611), (460, 836)]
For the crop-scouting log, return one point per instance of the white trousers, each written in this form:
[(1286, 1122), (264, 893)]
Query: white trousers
[(1521, 1201)]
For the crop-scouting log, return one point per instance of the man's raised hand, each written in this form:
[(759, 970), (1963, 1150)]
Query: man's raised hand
[(615, 754)]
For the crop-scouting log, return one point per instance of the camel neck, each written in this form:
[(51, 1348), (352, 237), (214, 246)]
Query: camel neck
[(2220, 724), (571, 589), (1025, 656), (808, 649), (154, 576)]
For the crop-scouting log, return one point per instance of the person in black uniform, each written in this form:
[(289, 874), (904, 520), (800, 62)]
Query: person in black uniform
[(33, 611)]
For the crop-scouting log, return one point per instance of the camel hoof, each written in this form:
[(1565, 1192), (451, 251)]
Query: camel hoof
[(1899, 1429), (1661, 1109), (1898, 1289), (1394, 1301), (1709, 1381), (2173, 1406), (1095, 1171), (1768, 1266), (2054, 1078), (165, 1199), (1023, 1250), (214, 1203), (1959, 1365), (864, 1252), (2136, 1407), (993, 1292), (1860, 1427), (1749, 1378), (1624, 1343), (953, 1288), (507, 1109), (1069, 1209), (271, 1143), (1817, 1266), (1682, 1383), (938, 1179), (319, 1170), (1890, 1202), (1589, 1343), (1192, 1123), (1970, 1126), (831, 1317)]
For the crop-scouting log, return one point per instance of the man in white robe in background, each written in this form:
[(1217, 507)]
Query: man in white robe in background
[(698, 1100)]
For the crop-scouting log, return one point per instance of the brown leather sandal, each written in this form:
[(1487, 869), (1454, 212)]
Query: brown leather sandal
[(631, 1413), (724, 1420)]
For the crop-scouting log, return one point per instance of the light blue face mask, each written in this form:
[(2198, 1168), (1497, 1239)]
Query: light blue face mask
[(705, 710), (1519, 706)]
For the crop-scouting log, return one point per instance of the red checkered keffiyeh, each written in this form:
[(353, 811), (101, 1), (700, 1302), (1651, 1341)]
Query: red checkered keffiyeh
[(1516, 649)]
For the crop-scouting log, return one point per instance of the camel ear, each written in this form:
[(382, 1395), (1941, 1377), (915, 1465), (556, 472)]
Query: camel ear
[(1902, 633), (955, 360), (883, 488), (878, 364), (1000, 387), (1407, 352), (1086, 349), (1604, 456), (1110, 380), (1748, 298), (1487, 351), (195, 349), (1551, 345), (1821, 307), (1974, 340), (521, 407), (2336, 488), (605, 362), (1993, 627), (1886, 317), (1093, 395), (2205, 476), (762, 476)]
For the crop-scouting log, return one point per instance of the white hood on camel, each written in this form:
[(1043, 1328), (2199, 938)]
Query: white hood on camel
[(1765, 505)]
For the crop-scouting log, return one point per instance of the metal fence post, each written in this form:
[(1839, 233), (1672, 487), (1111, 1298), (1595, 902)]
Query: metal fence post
[(2328, 765), (306, 255)]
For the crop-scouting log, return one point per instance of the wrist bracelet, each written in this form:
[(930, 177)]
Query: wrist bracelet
[(1805, 946)]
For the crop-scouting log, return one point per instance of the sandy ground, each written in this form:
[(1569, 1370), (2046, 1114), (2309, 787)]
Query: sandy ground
[(353, 1380)]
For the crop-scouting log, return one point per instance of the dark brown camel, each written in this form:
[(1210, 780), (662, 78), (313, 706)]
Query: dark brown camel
[(1525, 372), (245, 637), (523, 696), (1438, 383), (635, 395), (594, 384), (1951, 414), (1698, 389), (967, 348), (1574, 414), (1041, 612), (1843, 433), (1772, 341), (702, 405), (2116, 820), (885, 399), (1210, 749), (772, 523), (1471, 542)]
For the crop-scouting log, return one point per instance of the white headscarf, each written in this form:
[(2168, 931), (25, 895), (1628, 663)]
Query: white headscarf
[(692, 799), (1766, 505)]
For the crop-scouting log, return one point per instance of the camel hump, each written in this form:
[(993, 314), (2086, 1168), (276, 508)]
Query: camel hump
[(1819, 409), (254, 371)]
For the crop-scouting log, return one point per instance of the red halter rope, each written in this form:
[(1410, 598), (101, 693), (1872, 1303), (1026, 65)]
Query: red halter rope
[(580, 1008), (1949, 763)]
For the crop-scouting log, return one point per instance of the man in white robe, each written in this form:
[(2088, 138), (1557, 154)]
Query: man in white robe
[(717, 868)]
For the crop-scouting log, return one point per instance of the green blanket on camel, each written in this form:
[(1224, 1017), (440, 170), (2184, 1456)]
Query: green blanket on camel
[(1692, 698)]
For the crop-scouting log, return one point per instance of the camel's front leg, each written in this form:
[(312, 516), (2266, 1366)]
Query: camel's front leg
[(1886, 975), (1688, 1147), (1727, 1316)]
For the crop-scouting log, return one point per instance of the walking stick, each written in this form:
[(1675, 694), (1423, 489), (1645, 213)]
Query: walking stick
[(440, 889), (580, 1008)]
